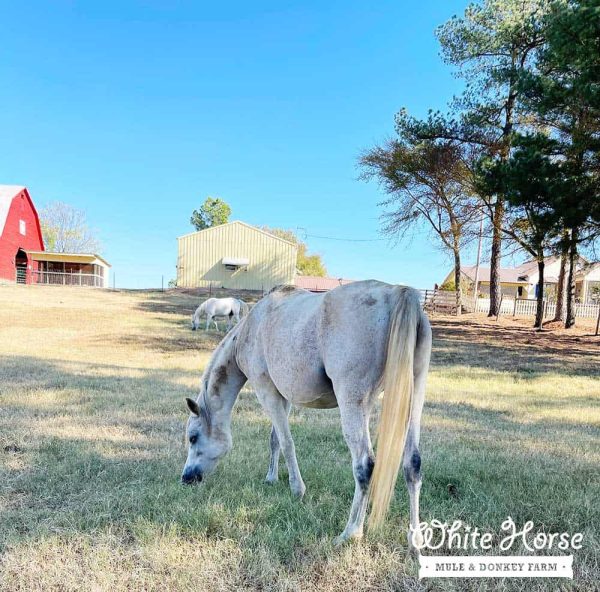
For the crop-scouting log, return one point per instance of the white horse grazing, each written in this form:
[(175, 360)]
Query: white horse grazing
[(232, 308), (341, 349)]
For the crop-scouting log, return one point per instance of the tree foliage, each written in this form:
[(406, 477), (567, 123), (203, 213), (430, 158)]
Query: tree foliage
[(213, 212), (530, 111), (533, 185), (305, 263), (65, 230), (429, 186), (562, 103), (489, 46)]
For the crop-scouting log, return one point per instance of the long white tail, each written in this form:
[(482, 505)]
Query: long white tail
[(398, 383)]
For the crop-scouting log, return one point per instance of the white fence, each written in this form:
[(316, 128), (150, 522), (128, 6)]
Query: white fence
[(520, 307)]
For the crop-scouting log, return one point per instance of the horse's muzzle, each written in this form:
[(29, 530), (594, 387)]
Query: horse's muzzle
[(189, 478)]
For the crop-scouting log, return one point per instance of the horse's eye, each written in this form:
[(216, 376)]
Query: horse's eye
[(193, 439)]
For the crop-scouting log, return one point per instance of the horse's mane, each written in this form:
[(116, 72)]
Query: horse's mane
[(282, 288)]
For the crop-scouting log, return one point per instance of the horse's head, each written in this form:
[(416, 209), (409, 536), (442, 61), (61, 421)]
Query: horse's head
[(196, 317), (206, 444)]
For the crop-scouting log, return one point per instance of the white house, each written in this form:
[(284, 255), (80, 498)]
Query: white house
[(521, 281)]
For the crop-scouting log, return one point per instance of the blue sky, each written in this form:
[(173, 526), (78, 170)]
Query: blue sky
[(136, 111)]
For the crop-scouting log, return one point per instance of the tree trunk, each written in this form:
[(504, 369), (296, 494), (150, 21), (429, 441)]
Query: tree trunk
[(539, 311), (495, 287), (570, 320), (559, 315), (457, 279)]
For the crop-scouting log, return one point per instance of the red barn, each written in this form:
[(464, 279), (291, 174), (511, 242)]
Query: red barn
[(19, 232)]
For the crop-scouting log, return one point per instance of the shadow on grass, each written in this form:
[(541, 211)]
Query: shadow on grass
[(187, 340), (186, 301), (99, 450), (86, 484), (514, 349), (505, 428)]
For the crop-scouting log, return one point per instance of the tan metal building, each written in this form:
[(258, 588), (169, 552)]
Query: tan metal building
[(235, 256)]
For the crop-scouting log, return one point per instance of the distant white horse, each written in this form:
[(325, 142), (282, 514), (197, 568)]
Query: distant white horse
[(341, 349), (232, 308)]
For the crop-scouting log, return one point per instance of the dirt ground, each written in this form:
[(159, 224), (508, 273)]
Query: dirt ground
[(519, 342)]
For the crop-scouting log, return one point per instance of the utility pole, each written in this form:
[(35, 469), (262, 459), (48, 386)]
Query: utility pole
[(478, 261)]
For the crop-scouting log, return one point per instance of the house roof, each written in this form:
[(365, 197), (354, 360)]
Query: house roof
[(67, 257), (239, 222), (507, 275), (510, 275), (587, 268), (319, 284), (7, 194)]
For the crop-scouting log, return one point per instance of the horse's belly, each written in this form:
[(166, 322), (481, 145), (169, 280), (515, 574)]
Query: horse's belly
[(308, 388), (326, 401)]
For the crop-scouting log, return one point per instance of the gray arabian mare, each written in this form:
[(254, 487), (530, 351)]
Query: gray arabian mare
[(338, 349), (232, 308)]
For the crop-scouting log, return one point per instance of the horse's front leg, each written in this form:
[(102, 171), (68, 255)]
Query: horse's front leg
[(355, 427), (278, 410)]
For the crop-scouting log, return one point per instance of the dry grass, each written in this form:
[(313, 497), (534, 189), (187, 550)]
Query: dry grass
[(91, 448)]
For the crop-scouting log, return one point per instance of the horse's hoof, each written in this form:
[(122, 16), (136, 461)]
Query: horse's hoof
[(345, 538), (414, 553), (299, 492), (271, 480)]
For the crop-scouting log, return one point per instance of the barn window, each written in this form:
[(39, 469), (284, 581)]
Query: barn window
[(234, 263), (22, 227)]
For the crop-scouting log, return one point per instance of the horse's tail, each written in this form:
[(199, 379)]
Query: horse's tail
[(398, 383), (243, 308)]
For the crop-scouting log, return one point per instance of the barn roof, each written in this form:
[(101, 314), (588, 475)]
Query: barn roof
[(7, 194), (319, 284), (240, 223), (67, 257)]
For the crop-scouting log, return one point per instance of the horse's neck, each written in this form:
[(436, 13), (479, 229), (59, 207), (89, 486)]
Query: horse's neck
[(223, 378)]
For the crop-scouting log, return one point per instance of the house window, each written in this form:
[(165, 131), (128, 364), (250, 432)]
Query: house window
[(22, 227)]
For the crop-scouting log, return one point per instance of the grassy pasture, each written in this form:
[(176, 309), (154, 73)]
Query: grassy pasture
[(91, 448)]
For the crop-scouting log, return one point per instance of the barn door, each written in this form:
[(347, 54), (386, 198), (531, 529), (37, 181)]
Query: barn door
[(21, 266)]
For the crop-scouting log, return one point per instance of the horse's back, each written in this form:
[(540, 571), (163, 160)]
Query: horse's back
[(279, 340), (354, 329), (311, 343)]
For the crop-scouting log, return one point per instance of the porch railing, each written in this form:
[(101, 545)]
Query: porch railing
[(59, 278)]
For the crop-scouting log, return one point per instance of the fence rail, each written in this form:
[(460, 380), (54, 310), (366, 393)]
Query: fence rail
[(526, 307), (59, 278)]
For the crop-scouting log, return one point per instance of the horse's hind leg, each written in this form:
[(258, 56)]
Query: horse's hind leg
[(354, 412), (278, 409), (412, 459), (273, 473)]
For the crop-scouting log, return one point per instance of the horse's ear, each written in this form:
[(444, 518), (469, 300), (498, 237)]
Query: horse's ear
[(193, 406)]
